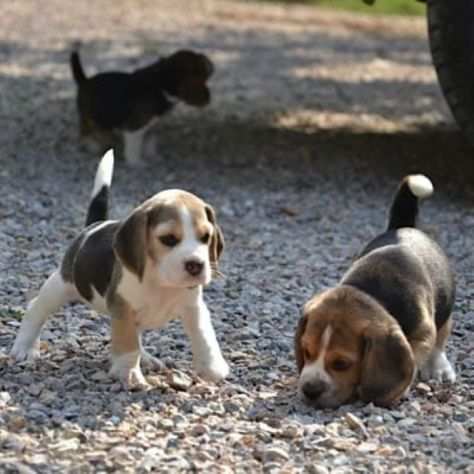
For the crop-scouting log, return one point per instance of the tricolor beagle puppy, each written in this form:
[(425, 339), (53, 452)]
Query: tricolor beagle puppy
[(123, 104), (388, 318), (143, 271)]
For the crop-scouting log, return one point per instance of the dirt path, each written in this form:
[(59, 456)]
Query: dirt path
[(315, 117)]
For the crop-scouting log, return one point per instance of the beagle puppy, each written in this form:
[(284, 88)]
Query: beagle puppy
[(387, 319), (144, 271), (122, 104)]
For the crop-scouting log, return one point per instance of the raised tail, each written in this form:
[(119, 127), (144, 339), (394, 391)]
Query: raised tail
[(98, 207), (76, 68), (404, 208)]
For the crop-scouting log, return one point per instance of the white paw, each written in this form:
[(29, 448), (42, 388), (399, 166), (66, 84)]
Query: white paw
[(438, 368), (21, 351), (126, 368), (151, 362), (217, 369), (131, 378)]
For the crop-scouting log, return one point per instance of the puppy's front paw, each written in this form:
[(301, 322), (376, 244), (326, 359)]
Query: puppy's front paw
[(21, 351), (126, 368), (216, 370), (131, 378), (438, 368)]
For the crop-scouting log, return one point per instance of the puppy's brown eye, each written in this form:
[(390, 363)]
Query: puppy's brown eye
[(340, 365), (205, 238), (169, 240)]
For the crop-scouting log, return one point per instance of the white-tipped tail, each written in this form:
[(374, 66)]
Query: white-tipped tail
[(105, 171), (98, 207), (420, 185)]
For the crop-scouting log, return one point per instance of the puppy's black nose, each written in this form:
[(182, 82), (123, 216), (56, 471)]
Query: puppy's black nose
[(194, 267), (314, 389)]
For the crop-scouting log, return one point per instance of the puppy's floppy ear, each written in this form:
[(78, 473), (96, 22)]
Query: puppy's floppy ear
[(216, 243), (130, 241), (300, 329), (388, 365)]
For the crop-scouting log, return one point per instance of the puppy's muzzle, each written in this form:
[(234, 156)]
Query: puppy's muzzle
[(314, 389), (194, 267)]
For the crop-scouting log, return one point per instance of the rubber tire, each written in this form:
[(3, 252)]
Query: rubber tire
[(451, 36)]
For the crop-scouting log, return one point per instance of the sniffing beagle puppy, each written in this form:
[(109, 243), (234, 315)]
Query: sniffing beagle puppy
[(388, 318), (122, 104), (144, 271)]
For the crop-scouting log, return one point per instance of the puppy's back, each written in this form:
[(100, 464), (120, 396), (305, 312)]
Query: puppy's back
[(402, 268), (105, 98)]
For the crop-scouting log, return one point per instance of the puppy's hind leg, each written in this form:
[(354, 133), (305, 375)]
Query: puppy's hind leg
[(54, 293)]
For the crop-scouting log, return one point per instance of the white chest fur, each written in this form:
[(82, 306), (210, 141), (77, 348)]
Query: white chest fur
[(155, 305)]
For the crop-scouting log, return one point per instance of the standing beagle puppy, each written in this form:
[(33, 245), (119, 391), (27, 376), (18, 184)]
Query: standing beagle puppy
[(389, 317), (118, 104), (144, 271)]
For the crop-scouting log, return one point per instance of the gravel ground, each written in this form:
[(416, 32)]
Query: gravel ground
[(315, 118)]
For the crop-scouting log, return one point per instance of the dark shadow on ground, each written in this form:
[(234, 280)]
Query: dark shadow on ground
[(441, 153), (249, 89)]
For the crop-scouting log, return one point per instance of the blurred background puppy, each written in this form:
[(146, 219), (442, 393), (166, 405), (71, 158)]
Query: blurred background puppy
[(119, 106)]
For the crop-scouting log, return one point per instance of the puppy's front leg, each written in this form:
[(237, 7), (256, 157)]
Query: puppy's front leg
[(207, 355), (126, 349), (132, 147)]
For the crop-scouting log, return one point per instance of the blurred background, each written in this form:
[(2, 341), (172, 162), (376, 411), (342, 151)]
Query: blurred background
[(307, 75)]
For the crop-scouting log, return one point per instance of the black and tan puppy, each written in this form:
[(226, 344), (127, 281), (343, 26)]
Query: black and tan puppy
[(388, 318), (111, 104)]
